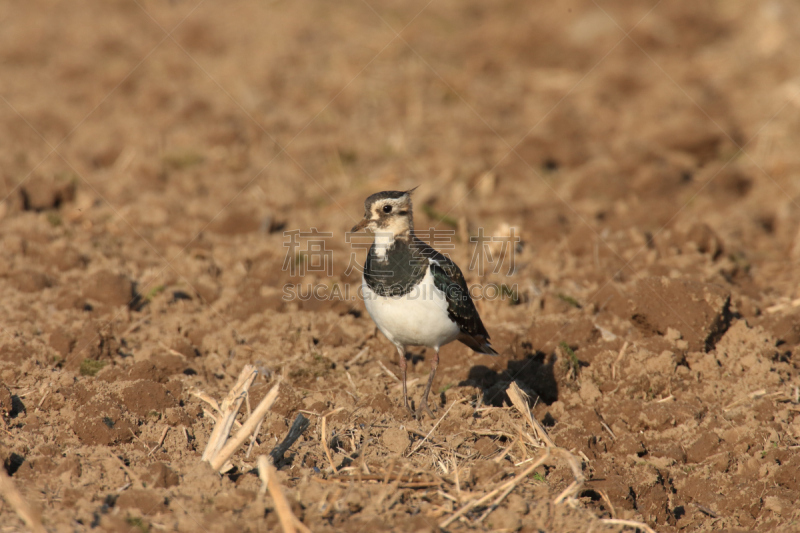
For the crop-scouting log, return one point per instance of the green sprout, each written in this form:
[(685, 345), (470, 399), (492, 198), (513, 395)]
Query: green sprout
[(155, 291), (182, 159), (571, 363), (569, 299), (90, 367)]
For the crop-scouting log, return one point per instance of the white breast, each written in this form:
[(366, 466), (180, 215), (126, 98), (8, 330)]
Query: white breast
[(418, 318)]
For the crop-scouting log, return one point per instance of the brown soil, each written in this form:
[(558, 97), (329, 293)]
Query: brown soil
[(148, 179)]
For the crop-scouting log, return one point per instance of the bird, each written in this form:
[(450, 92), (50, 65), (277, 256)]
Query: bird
[(415, 295)]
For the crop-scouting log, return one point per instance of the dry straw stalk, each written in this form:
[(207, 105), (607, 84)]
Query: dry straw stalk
[(15, 500)]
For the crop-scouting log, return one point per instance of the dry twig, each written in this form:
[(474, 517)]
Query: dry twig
[(118, 461), (398, 483), (171, 350), (509, 484), (220, 446), (627, 523), (133, 327), (388, 372), (262, 464), (577, 473), (247, 429), (409, 383), (503, 453), (15, 500), (520, 401), (352, 384), (604, 425), (781, 306), (608, 502), (752, 396), (253, 438), (289, 522), (617, 360), (209, 400), (358, 356), (458, 481), (160, 441), (228, 411), (324, 438), (420, 443)]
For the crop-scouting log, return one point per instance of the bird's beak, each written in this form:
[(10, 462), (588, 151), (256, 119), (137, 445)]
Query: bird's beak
[(361, 225)]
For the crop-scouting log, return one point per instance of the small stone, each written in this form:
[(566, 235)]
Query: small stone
[(39, 193), (486, 446), (395, 440), (207, 292), (61, 341), (159, 475), (67, 258), (673, 335), (589, 392), (671, 451), (30, 281), (705, 240), (146, 501), (109, 288), (235, 223), (5, 400), (485, 471)]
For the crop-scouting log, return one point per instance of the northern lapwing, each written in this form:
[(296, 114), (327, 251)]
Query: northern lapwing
[(415, 295)]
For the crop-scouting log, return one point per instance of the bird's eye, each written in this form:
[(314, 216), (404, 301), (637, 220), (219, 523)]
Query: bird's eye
[(387, 209)]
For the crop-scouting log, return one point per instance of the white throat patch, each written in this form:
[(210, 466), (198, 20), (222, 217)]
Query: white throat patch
[(383, 241)]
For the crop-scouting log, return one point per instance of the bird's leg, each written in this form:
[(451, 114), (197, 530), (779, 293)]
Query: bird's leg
[(423, 404), (404, 367)]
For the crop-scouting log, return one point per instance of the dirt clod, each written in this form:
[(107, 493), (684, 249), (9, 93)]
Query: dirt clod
[(30, 281), (396, 440), (159, 475), (701, 312), (145, 501), (39, 193), (109, 288), (144, 398), (102, 426), (704, 447), (6, 401)]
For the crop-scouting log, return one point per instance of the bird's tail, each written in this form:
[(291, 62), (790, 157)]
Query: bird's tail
[(479, 343)]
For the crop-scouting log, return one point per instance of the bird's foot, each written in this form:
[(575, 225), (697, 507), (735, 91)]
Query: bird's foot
[(422, 409)]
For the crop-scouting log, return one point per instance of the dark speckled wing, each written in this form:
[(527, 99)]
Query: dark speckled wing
[(447, 277)]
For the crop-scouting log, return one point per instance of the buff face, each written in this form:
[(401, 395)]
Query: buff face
[(387, 213)]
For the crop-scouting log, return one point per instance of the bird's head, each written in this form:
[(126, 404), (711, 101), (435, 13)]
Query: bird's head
[(388, 212)]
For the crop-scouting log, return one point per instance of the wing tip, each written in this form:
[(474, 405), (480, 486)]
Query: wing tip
[(479, 344), (487, 349)]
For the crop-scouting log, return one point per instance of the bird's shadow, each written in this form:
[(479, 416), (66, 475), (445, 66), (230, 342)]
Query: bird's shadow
[(415, 358), (534, 374)]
